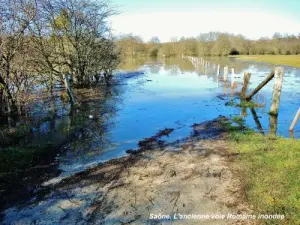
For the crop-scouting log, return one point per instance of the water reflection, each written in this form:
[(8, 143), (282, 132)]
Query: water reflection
[(257, 122), (132, 63), (176, 65), (168, 93)]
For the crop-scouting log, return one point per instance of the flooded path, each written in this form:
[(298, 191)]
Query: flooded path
[(159, 94)]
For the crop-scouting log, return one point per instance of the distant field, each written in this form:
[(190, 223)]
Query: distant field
[(289, 60)]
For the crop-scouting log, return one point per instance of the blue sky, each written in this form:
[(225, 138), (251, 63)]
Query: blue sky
[(176, 18)]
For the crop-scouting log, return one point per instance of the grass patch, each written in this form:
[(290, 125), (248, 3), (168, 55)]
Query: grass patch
[(270, 168), (289, 60), (243, 104), (13, 135), (18, 158), (233, 125)]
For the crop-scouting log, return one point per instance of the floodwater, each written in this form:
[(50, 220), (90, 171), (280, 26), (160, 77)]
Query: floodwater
[(157, 94), (173, 94)]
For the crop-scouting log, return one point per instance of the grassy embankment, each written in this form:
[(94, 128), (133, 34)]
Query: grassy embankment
[(288, 60), (270, 171)]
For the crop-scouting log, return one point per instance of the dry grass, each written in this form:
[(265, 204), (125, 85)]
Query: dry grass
[(289, 60)]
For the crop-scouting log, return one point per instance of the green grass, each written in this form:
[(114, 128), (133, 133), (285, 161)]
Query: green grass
[(270, 171), (18, 158), (243, 104), (289, 60)]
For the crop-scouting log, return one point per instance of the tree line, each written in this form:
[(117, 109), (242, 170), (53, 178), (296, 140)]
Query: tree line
[(44, 42), (210, 44)]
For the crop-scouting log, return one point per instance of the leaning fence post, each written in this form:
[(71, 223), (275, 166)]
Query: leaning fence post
[(261, 85), (225, 73), (295, 120), (279, 71), (247, 77)]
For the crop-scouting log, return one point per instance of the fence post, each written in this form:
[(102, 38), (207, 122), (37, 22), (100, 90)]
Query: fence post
[(247, 77), (218, 70), (260, 86), (232, 78), (232, 81), (295, 120), (225, 73), (279, 71), (273, 124)]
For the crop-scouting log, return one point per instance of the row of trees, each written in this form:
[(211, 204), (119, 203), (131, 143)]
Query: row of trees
[(48, 41), (211, 44)]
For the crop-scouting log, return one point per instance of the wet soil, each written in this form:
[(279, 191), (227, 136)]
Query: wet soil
[(188, 176)]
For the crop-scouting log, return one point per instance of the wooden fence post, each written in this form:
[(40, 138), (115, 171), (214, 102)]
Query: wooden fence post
[(232, 81), (225, 73), (260, 86), (273, 124), (256, 120), (279, 71), (232, 78), (295, 120), (218, 70), (247, 77)]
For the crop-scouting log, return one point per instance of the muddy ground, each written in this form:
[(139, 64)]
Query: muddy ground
[(190, 176)]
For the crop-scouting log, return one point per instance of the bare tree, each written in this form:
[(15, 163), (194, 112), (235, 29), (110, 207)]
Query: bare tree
[(52, 40), (14, 46)]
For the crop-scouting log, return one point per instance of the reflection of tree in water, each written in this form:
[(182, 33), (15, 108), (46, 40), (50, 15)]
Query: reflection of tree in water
[(238, 65), (170, 66), (173, 65), (185, 66), (177, 65), (132, 63), (154, 65), (96, 119), (154, 68)]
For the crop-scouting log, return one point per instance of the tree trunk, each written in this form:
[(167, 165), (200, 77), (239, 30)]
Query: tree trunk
[(69, 89), (11, 104)]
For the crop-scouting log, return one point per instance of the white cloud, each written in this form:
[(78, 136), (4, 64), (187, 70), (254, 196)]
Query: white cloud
[(169, 24)]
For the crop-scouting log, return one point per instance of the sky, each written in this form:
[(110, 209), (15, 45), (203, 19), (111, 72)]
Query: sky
[(167, 19)]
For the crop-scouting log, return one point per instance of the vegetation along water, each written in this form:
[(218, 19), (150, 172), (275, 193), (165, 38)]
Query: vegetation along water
[(98, 127)]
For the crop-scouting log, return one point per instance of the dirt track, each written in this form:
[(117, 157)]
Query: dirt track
[(186, 177)]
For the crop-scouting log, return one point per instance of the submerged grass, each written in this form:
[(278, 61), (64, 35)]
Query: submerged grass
[(289, 60), (243, 104), (16, 158), (270, 168)]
